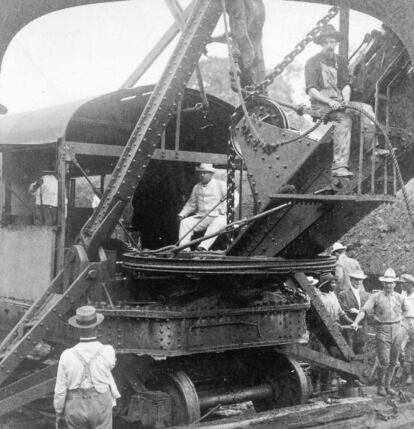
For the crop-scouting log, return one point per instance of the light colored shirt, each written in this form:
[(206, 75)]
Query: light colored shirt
[(409, 299), (355, 291), (95, 201), (386, 308), (344, 265), (71, 373), (204, 197), (331, 303), (47, 192)]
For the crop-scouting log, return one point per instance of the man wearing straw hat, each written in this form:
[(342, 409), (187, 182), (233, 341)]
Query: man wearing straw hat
[(207, 207), (344, 265), (329, 87), (387, 308), (85, 390), (352, 299), (407, 281)]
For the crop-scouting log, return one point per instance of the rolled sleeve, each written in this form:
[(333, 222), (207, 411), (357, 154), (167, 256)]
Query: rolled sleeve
[(368, 307), (312, 75)]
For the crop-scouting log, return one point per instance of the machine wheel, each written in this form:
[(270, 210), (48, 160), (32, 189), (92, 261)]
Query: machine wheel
[(184, 399), (288, 380), (265, 110)]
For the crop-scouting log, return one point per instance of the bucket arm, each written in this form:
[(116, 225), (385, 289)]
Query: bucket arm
[(146, 136)]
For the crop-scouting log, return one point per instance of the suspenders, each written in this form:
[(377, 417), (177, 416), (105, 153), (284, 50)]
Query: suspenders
[(87, 366)]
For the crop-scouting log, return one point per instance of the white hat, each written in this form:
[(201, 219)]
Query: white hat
[(359, 274), (389, 276), (338, 246), (86, 317), (206, 167), (407, 278), (312, 281)]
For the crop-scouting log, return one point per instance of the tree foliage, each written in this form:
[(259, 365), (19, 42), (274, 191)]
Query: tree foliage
[(216, 78)]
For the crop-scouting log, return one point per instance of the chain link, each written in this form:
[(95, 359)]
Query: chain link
[(279, 68), (231, 187)]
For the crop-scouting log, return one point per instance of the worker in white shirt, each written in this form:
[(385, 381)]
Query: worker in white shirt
[(407, 331), (85, 390), (344, 265), (204, 205), (45, 190)]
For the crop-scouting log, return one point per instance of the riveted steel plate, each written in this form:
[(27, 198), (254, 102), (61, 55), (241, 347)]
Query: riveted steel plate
[(161, 333)]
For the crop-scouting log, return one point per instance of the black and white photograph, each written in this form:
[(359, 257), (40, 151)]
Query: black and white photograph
[(207, 214)]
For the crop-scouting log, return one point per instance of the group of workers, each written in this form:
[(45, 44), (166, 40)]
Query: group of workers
[(391, 313)]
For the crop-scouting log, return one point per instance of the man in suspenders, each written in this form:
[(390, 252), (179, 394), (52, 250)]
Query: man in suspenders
[(85, 390)]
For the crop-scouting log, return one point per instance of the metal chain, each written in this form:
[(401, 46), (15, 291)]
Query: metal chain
[(279, 68), (231, 187)]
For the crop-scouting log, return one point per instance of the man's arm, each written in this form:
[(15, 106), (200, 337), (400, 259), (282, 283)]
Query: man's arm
[(317, 95), (367, 308), (35, 185), (346, 93), (60, 388), (190, 205)]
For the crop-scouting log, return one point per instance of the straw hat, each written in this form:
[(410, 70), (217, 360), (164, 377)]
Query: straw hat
[(312, 281), (407, 278), (325, 278), (86, 317), (389, 276), (359, 274), (206, 167), (338, 246), (327, 31)]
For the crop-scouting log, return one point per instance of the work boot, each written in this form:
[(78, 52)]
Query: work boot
[(380, 382), (388, 380), (342, 172)]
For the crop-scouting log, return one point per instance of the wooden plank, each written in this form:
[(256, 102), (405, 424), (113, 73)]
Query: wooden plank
[(298, 417)]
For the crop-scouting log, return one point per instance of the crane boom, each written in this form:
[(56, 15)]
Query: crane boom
[(146, 135)]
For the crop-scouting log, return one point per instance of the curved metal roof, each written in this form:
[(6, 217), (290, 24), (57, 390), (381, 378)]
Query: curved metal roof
[(40, 127), (107, 119)]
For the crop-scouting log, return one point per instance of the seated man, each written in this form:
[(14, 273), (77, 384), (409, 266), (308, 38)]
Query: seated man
[(328, 85), (204, 202)]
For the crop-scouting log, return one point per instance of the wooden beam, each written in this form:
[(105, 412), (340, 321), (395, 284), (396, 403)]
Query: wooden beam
[(344, 30), (316, 415), (304, 353), (80, 148)]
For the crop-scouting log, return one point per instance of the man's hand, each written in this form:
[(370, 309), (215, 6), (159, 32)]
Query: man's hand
[(60, 421), (354, 326), (353, 310), (335, 105)]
